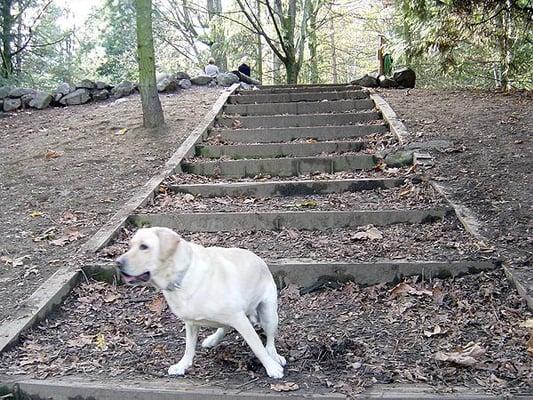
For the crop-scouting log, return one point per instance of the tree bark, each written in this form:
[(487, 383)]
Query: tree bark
[(312, 46), (214, 9), (506, 55), (334, 74), (7, 25), (152, 111), (259, 48)]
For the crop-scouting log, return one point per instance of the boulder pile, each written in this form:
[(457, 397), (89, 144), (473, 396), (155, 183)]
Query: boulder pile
[(15, 98), (401, 78)]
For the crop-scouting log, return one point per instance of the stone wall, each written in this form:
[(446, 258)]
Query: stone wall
[(15, 98)]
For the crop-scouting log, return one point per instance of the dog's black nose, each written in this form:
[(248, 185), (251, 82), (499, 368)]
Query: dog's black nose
[(120, 262)]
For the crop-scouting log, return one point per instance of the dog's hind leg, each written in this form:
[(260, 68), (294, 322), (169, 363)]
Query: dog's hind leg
[(243, 325), (191, 338), (215, 338), (268, 317)]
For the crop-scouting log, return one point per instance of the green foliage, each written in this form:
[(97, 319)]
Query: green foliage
[(116, 21), (466, 42)]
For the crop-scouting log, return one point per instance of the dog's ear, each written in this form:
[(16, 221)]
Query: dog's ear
[(168, 242)]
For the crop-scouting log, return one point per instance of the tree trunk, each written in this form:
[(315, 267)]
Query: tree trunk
[(312, 46), (276, 69), (293, 69), (259, 48), (334, 74), (7, 24), (506, 55), (214, 9), (152, 111), (381, 62)]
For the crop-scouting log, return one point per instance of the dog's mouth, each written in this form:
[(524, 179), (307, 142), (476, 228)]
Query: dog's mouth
[(135, 278)]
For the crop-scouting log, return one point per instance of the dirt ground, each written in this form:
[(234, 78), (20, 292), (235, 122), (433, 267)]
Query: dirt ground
[(65, 171), (416, 330), (489, 165)]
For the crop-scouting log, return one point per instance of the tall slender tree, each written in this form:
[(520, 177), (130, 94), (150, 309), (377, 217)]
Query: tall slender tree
[(152, 111)]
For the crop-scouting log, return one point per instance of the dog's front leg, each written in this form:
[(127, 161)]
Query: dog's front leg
[(242, 324), (191, 338)]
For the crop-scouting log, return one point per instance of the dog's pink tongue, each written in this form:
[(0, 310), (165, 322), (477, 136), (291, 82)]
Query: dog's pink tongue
[(129, 279)]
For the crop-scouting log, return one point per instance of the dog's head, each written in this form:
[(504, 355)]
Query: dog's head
[(150, 257)]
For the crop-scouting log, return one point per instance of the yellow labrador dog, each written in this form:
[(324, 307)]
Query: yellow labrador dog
[(208, 286)]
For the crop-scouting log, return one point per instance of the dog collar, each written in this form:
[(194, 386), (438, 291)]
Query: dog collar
[(177, 283)]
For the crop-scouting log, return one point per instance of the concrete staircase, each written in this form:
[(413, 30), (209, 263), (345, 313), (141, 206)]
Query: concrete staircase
[(283, 162)]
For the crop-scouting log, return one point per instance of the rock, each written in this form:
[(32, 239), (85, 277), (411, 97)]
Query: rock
[(366, 81), (437, 144), (399, 159), (100, 95), (123, 89), (11, 104), (25, 99), (41, 100), (185, 84), (4, 91), (182, 75), (201, 80), (167, 84), (79, 96), (19, 92), (405, 77), (64, 88), (86, 84), (386, 82), (102, 85), (227, 79)]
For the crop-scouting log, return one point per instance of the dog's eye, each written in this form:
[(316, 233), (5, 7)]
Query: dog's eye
[(143, 247)]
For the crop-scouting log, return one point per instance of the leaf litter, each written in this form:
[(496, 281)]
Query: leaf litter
[(341, 340)]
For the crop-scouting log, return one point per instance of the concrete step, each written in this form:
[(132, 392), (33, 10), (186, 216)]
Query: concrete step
[(278, 220), (280, 166), (336, 106), (302, 88), (81, 387), (283, 135), (286, 188), (272, 150), (257, 97), (285, 121)]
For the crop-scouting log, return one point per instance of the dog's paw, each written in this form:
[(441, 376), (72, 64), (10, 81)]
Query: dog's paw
[(276, 357), (280, 360), (211, 341), (178, 369), (274, 370)]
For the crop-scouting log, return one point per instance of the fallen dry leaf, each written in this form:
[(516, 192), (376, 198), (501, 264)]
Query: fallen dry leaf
[(80, 340), (121, 131), (285, 387), (158, 305), (35, 214), (436, 331), (60, 242), (100, 342), (188, 198), (15, 262), (50, 154), (467, 356), (404, 288), (370, 233)]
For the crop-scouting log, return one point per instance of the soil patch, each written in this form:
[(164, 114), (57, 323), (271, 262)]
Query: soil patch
[(66, 170), (339, 340), (408, 196), (489, 165), (437, 241)]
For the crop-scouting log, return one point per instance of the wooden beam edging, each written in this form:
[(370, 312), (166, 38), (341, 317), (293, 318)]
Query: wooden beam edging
[(396, 125), (471, 225), (54, 289)]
